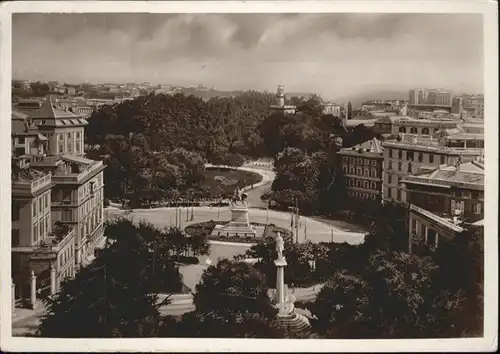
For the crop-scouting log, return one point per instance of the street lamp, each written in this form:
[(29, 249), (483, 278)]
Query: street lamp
[(187, 207)]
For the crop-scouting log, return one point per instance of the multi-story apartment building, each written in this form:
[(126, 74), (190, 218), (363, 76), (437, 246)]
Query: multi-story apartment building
[(417, 96), (362, 169), (444, 203), (410, 155), (438, 97), (48, 146), (475, 106), (38, 242), (77, 199), (471, 107)]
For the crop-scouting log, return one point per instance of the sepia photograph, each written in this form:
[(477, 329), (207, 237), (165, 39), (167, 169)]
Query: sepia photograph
[(249, 172)]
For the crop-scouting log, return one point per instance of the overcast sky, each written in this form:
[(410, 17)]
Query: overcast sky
[(331, 54)]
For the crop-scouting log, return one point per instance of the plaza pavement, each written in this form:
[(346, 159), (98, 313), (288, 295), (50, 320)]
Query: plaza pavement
[(310, 229)]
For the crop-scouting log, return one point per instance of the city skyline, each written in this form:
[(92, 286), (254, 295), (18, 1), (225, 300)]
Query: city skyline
[(393, 52)]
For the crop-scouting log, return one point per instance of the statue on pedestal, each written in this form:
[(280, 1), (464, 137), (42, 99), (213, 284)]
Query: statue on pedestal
[(238, 197), (280, 247)]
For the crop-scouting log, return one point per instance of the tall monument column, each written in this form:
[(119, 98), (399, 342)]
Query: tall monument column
[(280, 280), (280, 263)]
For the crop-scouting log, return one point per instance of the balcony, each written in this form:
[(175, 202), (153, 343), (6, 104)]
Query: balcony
[(77, 174), (28, 182), (50, 246)]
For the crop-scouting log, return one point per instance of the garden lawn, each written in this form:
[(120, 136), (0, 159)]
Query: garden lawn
[(227, 180)]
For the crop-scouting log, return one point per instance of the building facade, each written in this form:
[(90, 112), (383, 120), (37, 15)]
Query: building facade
[(475, 106), (57, 196), (332, 108), (444, 203), (411, 155), (421, 127), (417, 96), (362, 170)]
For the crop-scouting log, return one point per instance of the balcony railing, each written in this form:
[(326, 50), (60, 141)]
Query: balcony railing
[(68, 176), (59, 237), (32, 186), (49, 247)]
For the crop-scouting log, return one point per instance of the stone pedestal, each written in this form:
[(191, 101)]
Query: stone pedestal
[(280, 280), (239, 224)]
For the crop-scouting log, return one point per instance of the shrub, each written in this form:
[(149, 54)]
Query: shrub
[(186, 259)]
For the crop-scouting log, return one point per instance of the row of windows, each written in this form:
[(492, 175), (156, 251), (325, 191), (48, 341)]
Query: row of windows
[(390, 179), (474, 208), (40, 229), (364, 172), (410, 155), (359, 161), (91, 204), (90, 224), (69, 136), (400, 166), (362, 184), (91, 187), (40, 203), (361, 195), (394, 193), (414, 130)]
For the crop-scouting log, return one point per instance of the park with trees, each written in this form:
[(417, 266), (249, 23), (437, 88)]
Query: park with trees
[(159, 144)]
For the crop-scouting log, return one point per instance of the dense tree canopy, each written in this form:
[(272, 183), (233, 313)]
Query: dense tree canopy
[(156, 145), (231, 301), (115, 295), (393, 296)]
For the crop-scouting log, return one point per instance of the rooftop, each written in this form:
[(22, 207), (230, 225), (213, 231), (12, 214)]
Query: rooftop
[(430, 143), (466, 174), (27, 175), (445, 222), (46, 113), (388, 119), (373, 146)]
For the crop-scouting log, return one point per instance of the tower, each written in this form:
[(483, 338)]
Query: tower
[(280, 102), (280, 96)]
